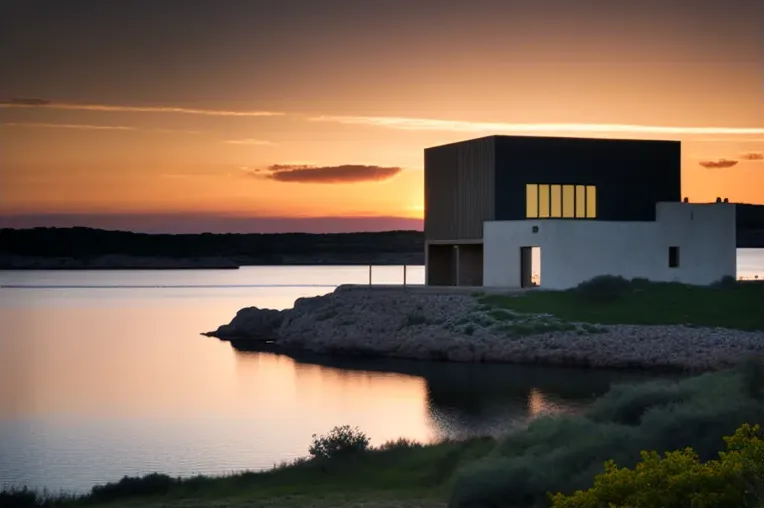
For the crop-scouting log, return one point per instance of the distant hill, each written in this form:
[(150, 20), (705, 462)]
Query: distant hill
[(98, 248), (91, 248)]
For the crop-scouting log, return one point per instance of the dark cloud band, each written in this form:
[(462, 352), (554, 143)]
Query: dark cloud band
[(346, 173)]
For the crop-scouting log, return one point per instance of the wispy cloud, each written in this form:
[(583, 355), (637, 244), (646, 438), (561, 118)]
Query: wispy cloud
[(726, 139), (70, 126), (94, 127), (44, 103), (718, 163), (346, 173), (176, 131), (254, 142), (424, 124)]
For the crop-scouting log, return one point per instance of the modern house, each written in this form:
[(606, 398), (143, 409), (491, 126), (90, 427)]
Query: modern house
[(501, 209)]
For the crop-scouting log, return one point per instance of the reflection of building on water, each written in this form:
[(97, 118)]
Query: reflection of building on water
[(536, 403), (423, 400)]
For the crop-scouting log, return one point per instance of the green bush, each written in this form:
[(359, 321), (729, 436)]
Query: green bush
[(12, 497), (565, 453), (339, 442), (603, 288), (148, 485), (680, 479)]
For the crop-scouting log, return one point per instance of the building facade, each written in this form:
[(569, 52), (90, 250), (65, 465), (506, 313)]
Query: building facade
[(581, 207)]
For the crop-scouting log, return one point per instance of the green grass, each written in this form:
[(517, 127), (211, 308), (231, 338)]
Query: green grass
[(401, 474), (563, 453), (736, 305), (554, 453)]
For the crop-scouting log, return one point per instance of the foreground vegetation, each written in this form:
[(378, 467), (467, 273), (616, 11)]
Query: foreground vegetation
[(553, 455), (614, 300)]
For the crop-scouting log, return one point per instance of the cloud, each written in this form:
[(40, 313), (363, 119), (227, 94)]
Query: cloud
[(176, 131), (346, 173), (424, 124), (44, 103), (752, 156), (70, 126), (93, 127), (254, 142), (728, 140), (718, 163)]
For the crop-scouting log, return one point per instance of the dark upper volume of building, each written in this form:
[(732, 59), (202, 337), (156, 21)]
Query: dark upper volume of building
[(519, 177)]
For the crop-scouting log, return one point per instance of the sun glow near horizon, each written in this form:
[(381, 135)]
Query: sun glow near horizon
[(210, 122)]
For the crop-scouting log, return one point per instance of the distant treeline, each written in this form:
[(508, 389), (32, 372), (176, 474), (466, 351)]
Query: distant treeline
[(390, 247), (86, 243)]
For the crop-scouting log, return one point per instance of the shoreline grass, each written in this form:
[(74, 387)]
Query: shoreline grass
[(553, 454), (398, 473), (729, 304)]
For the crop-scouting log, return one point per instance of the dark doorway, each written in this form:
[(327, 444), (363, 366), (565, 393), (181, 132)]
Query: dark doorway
[(673, 259)]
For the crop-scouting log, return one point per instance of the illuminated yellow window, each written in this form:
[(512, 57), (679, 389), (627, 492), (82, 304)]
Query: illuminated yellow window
[(591, 201), (568, 201), (543, 201), (532, 201), (580, 201), (556, 201)]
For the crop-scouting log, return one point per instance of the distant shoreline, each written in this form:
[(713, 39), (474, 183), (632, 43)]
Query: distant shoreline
[(93, 249), (23, 263)]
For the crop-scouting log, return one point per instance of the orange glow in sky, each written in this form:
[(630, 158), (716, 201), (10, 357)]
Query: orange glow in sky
[(279, 116)]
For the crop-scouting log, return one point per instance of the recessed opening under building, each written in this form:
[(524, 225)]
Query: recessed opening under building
[(454, 264)]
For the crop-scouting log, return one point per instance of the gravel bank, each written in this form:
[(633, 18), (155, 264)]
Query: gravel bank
[(403, 324)]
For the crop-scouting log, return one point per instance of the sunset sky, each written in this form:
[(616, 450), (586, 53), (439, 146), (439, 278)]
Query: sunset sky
[(312, 115)]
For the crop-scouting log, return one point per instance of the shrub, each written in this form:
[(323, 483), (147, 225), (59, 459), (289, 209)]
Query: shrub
[(148, 485), (565, 453), (12, 497), (339, 442), (401, 443), (680, 479), (726, 282), (604, 288)]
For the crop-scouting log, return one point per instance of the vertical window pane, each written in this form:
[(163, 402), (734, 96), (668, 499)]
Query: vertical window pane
[(556, 201), (568, 201), (531, 201), (591, 202), (543, 201), (580, 201)]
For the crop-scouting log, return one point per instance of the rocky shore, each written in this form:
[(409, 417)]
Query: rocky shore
[(355, 320)]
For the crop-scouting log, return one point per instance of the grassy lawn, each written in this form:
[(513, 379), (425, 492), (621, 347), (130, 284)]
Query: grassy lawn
[(737, 305), (408, 475)]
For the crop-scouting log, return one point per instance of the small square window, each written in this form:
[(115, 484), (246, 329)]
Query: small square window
[(673, 257)]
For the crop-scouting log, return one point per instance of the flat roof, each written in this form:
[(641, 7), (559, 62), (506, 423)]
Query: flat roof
[(577, 138)]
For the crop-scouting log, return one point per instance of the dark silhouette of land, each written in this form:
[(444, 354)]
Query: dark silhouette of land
[(82, 248)]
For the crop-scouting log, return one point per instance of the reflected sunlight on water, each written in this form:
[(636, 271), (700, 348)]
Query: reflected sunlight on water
[(98, 383)]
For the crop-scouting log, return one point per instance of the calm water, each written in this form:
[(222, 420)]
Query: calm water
[(104, 374)]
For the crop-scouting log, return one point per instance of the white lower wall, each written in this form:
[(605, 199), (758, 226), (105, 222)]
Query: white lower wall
[(576, 250)]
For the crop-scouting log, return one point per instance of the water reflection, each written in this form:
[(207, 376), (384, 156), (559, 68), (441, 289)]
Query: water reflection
[(460, 399)]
